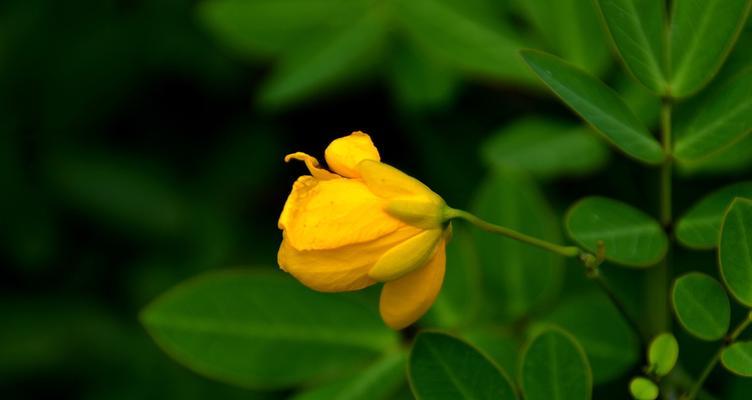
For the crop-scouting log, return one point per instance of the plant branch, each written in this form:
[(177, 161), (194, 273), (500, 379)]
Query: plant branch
[(717, 356), (621, 307), (666, 141)]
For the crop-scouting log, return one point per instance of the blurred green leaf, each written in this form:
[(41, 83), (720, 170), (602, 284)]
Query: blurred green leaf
[(735, 250), (662, 354), (517, 276), (264, 330), (700, 227), (645, 104), (318, 62), (608, 341), (444, 367), (262, 28), (702, 35), (463, 39), (554, 367), (724, 119), (631, 237), (643, 389), (598, 105), (498, 343), (134, 196), (418, 80), (701, 306), (545, 148), (460, 298), (737, 358), (572, 29), (377, 382), (636, 26), (729, 160)]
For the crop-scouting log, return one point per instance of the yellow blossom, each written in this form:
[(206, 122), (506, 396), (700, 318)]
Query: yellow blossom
[(365, 222)]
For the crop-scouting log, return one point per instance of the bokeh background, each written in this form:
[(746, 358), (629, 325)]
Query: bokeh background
[(141, 143)]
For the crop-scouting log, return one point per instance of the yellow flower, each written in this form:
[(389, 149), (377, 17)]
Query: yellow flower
[(365, 222)]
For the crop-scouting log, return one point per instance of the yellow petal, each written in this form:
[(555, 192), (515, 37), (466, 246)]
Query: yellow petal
[(344, 154), (342, 269), (333, 213), (406, 257), (389, 182), (313, 165), (405, 300)]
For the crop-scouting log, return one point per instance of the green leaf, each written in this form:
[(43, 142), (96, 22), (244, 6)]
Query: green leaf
[(702, 35), (460, 298), (728, 161), (608, 341), (701, 306), (631, 237), (463, 39), (737, 358), (263, 28), (597, 104), (264, 330), (735, 250), (377, 382), (724, 119), (572, 29), (636, 27), (517, 277), (662, 354), (545, 148), (418, 81), (444, 367), (700, 227), (500, 344), (136, 197), (554, 367), (643, 389), (322, 61)]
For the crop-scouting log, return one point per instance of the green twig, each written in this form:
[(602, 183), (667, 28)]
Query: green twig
[(666, 141), (566, 251), (717, 356)]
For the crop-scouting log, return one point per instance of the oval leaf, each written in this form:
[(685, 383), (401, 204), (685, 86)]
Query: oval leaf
[(444, 367), (735, 250), (724, 119), (700, 227), (636, 27), (530, 276), (643, 389), (701, 305), (264, 330), (737, 358), (545, 148), (700, 42), (554, 367), (608, 341), (463, 39), (597, 104), (662, 354), (631, 237)]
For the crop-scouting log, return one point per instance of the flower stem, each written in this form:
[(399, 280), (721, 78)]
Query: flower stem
[(566, 251), (714, 361), (591, 261)]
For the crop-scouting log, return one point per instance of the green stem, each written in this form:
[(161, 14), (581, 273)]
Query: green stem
[(591, 261), (566, 251), (666, 141), (714, 361)]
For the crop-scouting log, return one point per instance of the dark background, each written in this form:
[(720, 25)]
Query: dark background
[(134, 154)]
